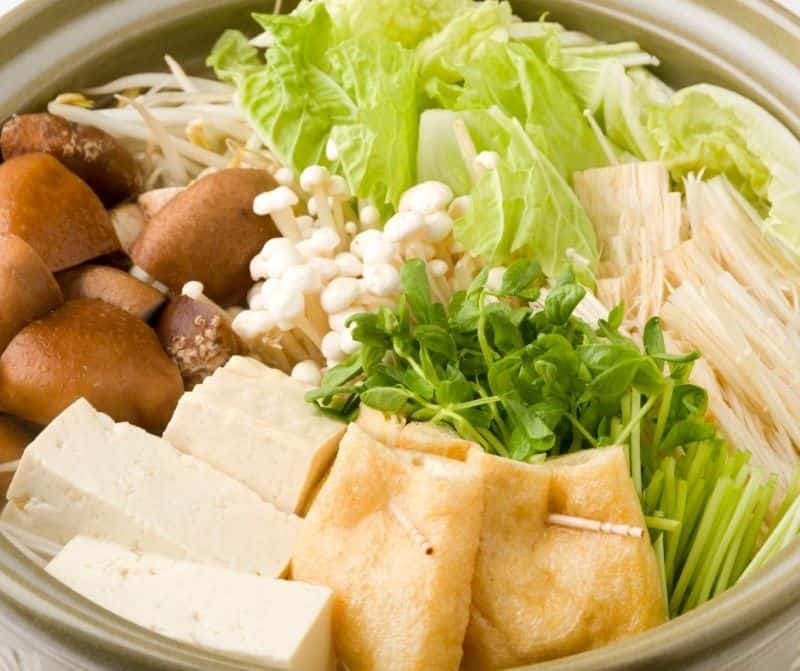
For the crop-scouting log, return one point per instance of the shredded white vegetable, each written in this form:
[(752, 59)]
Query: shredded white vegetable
[(176, 125)]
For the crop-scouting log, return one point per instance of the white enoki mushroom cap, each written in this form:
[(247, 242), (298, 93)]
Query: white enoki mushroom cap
[(438, 267), (305, 223), (439, 225), (331, 150), (324, 241), (426, 198), (369, 216), (495, 278), (337, 320), (286, 305), (351, 227), (403, 226), (254, 295), (379, 250), (363, 239), (284, 176), (338, 187), (487, 160), (276, 265), (193, 289), (460, 207), (457, 248), (382, 279), (314, 177), (349, 264), (303, 278), (416, 249), (307, 372), (331, 348), (340, 293), (282, 198), (326, 268), (250, 324)]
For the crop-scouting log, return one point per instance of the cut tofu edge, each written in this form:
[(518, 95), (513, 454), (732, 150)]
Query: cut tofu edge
[(272, 397), (281, 468), (84, 474), (278, 623)]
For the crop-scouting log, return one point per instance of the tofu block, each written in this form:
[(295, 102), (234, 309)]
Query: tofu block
[(280, 467), (542, 592), (275, 623), (86, 475), (420, 436), (394, 534), (253, 423), (271, 396)]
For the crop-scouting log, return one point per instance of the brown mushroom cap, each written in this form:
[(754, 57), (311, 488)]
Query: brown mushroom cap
[(54, 211), (27, 287), (112, 286), (198, 336), (90, 349), (15, 436), (92, 154), (208, 233)]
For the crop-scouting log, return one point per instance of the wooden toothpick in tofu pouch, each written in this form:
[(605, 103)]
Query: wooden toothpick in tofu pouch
[(394, 533), (542, 591), (564, 564)]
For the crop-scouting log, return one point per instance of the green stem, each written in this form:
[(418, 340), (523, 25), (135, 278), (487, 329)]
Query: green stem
[(663, 416), (576, 423), (488, 353), (636, 444), (662, 523), (634, 422)]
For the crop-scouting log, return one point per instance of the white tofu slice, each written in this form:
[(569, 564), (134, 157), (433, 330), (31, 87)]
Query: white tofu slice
[(272, 397), (85, 474), (281, 468), (253, 423), (276, 623)]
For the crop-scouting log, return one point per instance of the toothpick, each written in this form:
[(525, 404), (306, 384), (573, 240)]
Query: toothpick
[(408, 525), (584, 524)]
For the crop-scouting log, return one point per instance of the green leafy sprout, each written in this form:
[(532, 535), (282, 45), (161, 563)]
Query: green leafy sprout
[(514, 370)]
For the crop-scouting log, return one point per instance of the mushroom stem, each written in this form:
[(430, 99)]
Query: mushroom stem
[(372, 302), (276, 357), (316, 315), (311, 332), (292, 347), (312, 350), (287, 224), (325, 214), (338, 218), (584, 524), (439, 288)]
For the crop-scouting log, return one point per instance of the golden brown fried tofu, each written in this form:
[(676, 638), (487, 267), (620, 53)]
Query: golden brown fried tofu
[(394, 534), (542, 592)]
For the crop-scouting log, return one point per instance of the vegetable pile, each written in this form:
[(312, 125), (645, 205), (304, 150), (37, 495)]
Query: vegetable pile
[(533, 382), (384, 82)]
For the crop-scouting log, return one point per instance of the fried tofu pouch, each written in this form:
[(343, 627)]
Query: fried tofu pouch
[(541, 592), (394, 534), (420, 436)]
